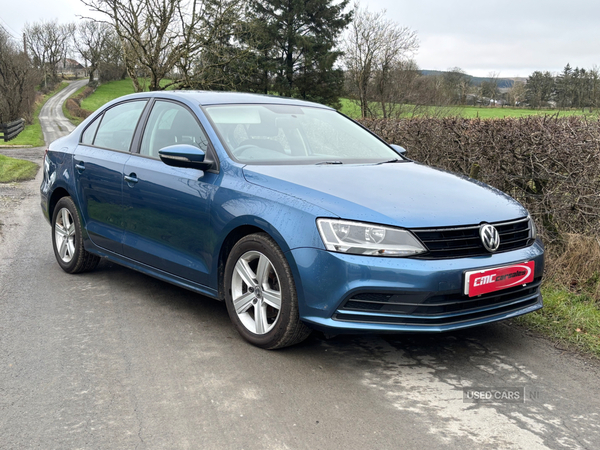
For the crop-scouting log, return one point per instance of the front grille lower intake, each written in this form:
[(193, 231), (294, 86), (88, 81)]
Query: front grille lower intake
[(437, 310)]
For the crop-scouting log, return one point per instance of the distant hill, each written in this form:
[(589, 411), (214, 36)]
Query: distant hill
[(476, 81)]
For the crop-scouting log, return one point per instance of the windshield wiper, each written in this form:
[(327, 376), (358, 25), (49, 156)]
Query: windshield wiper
[(396, 160), (329, 162)]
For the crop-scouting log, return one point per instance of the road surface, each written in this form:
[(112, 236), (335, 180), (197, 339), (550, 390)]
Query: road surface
[(114, 359), (54, 123)]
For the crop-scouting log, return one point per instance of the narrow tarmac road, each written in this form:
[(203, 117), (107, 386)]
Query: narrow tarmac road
[(53, 121), (115, 359)]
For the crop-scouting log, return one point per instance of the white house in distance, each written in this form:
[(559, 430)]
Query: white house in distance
[(69, 68)]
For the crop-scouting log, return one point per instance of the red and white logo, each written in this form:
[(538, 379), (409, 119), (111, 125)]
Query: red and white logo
[(484, 281)]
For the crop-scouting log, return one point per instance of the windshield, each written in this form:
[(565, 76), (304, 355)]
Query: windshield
[(285, 134)]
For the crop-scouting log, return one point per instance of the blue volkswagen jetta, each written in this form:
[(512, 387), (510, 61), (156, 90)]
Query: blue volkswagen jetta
[(294, 215)]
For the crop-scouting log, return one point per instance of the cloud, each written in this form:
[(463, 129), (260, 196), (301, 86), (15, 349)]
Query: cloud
[(511, 37)]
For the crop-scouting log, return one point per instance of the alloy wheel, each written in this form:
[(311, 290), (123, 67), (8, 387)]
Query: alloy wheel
[(64, 235), (256, 292)]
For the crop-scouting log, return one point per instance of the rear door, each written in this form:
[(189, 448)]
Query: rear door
[(99, 160)]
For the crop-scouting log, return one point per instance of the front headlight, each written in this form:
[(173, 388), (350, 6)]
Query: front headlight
[(359, 238), (532, 229)]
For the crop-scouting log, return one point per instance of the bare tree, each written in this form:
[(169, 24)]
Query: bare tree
[(489, 87), (594, 75), (150, 32), (18, 79), (392, 90), (457, 84), (374, 47), (112, 62), (91, 41), (517, 93), (429, 97), (158, 35), (48, 44)]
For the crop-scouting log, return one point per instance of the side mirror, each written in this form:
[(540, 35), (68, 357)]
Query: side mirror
[(184, 155), (399, 149)]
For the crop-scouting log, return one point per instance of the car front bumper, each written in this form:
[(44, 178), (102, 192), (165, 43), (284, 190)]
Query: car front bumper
[(349, 293)]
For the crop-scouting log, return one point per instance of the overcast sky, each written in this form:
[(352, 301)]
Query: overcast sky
[(508, 37)]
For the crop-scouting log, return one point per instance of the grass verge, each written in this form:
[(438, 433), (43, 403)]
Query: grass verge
[(12, 169), (32, 134), (569, 319), (109, 91)]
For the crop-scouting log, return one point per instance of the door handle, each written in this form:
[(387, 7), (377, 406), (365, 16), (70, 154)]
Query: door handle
[(131, 178), (80, 167)]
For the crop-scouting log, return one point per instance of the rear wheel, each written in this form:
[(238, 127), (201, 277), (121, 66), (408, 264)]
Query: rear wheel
[(67, 239), (260, 294)]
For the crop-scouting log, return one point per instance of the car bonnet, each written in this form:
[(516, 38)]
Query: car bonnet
[(402, 194)]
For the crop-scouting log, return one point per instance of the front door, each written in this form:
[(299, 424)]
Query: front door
[(166, 209)]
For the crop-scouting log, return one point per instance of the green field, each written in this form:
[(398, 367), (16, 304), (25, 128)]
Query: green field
[(109, 91), (32, 134), (351, 109), (498, 113), (12, 169)]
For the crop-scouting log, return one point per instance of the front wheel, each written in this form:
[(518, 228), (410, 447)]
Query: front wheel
[(260, 294), (67, 239)]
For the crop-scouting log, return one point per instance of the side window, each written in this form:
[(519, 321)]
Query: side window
[(170, 124), (118, 125), (88, 135)]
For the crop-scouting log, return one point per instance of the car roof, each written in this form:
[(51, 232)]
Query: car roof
[(206, 98)]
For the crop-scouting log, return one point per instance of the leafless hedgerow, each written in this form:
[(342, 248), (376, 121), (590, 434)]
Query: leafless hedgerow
[(551, 165), (73, 104)]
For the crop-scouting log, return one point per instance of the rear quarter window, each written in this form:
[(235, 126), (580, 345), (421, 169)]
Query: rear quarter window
[(88, 135)]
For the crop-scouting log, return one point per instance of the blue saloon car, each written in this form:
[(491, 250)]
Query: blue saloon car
[(294, 215)]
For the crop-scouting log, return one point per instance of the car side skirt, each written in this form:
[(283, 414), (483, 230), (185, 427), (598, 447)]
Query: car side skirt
[(155, 273)]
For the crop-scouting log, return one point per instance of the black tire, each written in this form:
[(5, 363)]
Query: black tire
[(67, 239), (275, 328)]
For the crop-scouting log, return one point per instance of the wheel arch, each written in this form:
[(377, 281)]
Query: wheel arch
[(228, 243), (278, 226), (57, 194)]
